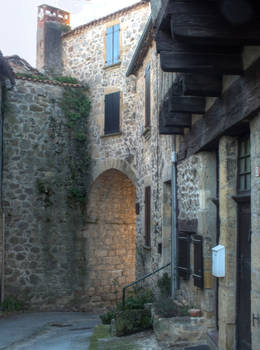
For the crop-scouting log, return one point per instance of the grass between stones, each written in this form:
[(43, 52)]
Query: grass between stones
[(102, 340), (101, 331)]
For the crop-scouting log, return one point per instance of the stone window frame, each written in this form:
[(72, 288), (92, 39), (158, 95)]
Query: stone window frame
[(108, 25), (107, 92)]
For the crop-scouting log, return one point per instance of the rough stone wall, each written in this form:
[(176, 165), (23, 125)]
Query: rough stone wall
[(45, 260), (228, 148), (255, 239), (152, 168), (111, 237), (188, 188), (196, 185), (1, 225), (147, 153)]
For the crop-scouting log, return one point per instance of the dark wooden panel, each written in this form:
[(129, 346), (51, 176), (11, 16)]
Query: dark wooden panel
[(201, 22), (183, 265), (178, 119), (240, 101), (190, 226), (188, 104), (237, 12), (147, 216), (191, 62), (170, 130), (198, 261), (165, 42), (112, 113), (202, 85)]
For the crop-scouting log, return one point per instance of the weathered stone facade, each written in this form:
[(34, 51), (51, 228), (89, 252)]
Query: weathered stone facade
[(145, 153), (255, 239), (44, 252)]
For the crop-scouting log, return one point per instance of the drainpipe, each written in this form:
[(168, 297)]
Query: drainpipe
[(174, 272), (1, 196)]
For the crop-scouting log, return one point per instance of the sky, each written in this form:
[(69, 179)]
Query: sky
[(18, 21)]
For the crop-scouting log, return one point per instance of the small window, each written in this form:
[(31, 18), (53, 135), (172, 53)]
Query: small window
[(112, 113), (244, 165), (147, 97), (113, 45), (147, 214)]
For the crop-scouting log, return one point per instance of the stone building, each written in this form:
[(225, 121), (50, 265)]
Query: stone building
[(57, 257), (203, 104), (214, 98)]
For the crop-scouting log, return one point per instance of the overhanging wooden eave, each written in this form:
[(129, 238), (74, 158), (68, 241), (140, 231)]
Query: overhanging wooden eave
[(240, 102)]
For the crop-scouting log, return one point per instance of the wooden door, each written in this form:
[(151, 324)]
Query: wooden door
[(244, 277)]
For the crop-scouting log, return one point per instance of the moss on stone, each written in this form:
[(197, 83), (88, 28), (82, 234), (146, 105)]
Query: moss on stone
[(101, 331)]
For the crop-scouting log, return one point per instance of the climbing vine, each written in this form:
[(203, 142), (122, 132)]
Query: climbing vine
[(76, 107)]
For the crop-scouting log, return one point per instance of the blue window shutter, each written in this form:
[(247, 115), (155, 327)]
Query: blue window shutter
[(109, 46), (147, 97), (116, 46)]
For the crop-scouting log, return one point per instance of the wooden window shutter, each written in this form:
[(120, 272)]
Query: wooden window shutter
[(148, 216), (109, 46), (147, 96), (198, 261), (112, 113), (116, 43), (183, 266), (113, 45)]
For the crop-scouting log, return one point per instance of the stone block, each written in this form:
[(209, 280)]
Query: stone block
[(180, 330)]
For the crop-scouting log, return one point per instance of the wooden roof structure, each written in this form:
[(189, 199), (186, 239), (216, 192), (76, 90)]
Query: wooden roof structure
[(202, 41)]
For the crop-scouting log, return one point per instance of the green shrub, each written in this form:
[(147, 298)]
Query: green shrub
[(164, 284), (68, 80), (135, 300), (12, 304), (132, 321), (107, 317), (166, 307), (138, 297)]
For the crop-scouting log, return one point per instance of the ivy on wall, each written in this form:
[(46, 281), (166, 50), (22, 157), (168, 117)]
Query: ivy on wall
[(75, 105)]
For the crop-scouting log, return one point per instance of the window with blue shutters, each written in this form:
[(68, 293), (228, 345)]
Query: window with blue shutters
[(113, 45), (112, 113), (147, 97)]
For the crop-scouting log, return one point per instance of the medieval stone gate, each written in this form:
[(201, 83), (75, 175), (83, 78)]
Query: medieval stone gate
[(111, 236)]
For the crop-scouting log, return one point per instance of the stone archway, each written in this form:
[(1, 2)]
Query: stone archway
[(111, 237)]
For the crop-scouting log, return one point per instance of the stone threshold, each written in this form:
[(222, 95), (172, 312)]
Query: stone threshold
[(213, 339)]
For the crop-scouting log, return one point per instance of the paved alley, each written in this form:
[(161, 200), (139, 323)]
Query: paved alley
[(47, 331)]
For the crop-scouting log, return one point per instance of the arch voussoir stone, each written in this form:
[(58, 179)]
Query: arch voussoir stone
[(100, 166)]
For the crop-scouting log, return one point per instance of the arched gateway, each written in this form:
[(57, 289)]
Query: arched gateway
[(111, 237)]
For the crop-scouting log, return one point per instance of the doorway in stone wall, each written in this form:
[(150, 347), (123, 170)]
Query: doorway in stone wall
[(111, 237), (244, 247)]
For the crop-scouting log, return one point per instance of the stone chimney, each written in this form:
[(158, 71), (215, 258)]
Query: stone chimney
[(51, 24)]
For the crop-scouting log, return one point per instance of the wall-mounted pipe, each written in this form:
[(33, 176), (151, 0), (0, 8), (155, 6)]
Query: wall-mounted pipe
[(174, 272)]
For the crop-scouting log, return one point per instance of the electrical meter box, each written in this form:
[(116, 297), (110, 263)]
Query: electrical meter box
[(218, 261)]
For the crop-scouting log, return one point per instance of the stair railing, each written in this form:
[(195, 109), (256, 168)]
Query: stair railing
[(140, 280)]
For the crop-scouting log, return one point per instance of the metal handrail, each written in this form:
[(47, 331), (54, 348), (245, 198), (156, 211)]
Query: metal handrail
[(141, 279)]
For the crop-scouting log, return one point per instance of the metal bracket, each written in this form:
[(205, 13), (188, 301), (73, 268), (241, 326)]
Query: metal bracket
[(256, 318)]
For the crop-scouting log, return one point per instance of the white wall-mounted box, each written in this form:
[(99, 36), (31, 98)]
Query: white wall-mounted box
[(218, 261)]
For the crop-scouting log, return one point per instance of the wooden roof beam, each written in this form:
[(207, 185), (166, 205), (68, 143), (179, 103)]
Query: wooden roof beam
[(209, 85), (200, 22), (196, 62), (188, 104)]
